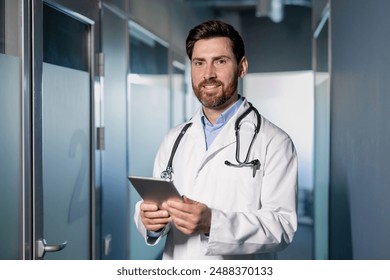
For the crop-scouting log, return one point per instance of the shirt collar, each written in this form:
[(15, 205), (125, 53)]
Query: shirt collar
[(224, 117)]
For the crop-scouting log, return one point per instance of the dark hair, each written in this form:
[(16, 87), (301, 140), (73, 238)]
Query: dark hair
[(215, 28)]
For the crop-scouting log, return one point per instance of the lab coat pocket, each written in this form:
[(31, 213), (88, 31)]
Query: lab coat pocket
[(242, 189)]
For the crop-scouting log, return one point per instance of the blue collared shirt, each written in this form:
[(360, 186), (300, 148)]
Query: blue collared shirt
[(211, 131)]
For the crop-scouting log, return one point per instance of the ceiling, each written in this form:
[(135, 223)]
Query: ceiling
[(263, 8)]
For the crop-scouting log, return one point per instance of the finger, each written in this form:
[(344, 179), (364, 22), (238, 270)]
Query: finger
[(184, 230), (155, 221), (184, 226), (195, 217), (155, 214), (178, 205), (148, 206), (178, 214), (185, 220), (154, 224)]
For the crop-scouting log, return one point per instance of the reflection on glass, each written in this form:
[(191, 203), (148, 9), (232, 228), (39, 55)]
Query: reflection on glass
[(2, 26), (149, 100), (10, 22), (286, 99), (322, 144), (178, 90), (10, 159), (65, 40), (66, 134), (11, 174), (66, 165)]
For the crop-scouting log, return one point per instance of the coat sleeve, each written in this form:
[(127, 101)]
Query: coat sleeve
[(272, 227)]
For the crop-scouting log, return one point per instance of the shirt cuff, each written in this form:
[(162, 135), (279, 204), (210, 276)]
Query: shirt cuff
[(154, 234)]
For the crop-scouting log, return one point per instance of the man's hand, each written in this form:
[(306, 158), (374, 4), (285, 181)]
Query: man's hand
[(153, 218), (189, 216)]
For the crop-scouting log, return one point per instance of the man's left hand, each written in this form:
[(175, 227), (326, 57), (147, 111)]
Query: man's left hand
[(189, 216)]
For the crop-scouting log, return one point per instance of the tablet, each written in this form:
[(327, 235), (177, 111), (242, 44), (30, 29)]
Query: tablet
[(154, 189)]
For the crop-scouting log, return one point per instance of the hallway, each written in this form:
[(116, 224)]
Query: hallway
[(88, 89)]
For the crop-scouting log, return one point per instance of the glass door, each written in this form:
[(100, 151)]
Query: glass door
[(321, 50), (11, 131), (148, 117), (63, 129), (178, 94)]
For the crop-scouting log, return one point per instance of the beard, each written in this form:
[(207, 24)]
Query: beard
[(214, 99)]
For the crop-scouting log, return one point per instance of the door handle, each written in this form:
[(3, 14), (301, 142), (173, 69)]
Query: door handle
[(42, 247)]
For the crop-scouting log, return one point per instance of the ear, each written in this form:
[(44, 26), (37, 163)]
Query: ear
[(243, 67)]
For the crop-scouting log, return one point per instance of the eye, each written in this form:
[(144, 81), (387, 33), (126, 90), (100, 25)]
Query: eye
[(197, 63), (220, 62)]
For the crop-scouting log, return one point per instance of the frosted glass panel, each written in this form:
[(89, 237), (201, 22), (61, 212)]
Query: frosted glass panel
[(149, 118), (66, 160), (322, 151), (287, 100), (322, 144), (149, 122), (10, 158), (178, 110)]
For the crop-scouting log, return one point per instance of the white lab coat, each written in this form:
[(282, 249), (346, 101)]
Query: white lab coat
[(252, 218)]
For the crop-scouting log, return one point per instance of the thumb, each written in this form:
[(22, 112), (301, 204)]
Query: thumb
[(188, 200)]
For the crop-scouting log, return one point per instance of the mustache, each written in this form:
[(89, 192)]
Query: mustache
[(212, 82)]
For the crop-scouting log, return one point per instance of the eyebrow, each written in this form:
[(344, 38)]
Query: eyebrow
[(213, 58)]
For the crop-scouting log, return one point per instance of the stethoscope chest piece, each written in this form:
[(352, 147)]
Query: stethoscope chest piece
[(167, 174)]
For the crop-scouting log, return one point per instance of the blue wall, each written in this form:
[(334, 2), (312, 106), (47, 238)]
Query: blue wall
[(360, 132)]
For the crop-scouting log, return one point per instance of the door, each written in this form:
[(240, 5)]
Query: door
[(148, 83), (63, 128), (12, 154), (321, 50)]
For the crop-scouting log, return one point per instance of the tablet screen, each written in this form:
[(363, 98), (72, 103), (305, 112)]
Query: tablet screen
[(154, 190)]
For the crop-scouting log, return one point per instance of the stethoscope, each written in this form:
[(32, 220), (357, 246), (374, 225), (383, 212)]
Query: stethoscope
[(255, 164), (167, 174)]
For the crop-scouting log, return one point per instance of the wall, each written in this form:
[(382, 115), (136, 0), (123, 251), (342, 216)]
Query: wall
[(170, 20), (286, 99), (275, 47), (115, 212), (360, 133)]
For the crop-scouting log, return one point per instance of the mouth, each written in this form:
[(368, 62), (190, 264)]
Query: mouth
[(213, 86), (210, 85)]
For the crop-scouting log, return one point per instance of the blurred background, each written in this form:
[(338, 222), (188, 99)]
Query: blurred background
[(89, 88)]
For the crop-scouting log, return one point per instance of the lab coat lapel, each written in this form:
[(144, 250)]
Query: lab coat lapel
[(196, 132), (225, 138)]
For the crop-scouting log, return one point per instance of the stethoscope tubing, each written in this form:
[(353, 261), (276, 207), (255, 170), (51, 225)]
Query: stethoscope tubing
[(255, 164)]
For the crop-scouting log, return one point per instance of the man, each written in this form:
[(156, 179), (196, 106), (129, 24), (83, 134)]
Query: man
[(239, 198)]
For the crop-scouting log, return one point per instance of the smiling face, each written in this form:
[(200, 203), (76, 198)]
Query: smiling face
[(215, 72)]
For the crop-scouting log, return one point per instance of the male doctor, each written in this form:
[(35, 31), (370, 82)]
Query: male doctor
[(228, 211)]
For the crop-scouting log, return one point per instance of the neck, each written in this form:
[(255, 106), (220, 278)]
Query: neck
[(212, 114)]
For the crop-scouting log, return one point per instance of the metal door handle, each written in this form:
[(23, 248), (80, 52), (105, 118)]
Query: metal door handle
[(42, 247)]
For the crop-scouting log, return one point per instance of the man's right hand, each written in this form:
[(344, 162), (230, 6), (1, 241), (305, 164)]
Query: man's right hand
[(153, 218)]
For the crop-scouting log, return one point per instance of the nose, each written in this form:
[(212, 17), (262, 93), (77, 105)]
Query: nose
[(209, 72)]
